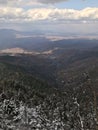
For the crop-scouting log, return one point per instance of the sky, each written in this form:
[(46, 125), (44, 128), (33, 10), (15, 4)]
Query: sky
[(50, 16)]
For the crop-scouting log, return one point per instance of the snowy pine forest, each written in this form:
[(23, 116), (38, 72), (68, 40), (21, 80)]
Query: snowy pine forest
[(57, 98), (73, 109)]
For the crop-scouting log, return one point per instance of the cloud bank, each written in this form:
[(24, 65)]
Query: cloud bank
[(46, 15), (19, 15)]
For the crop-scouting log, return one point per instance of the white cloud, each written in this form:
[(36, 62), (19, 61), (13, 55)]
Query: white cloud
[(22, 14), (9, 14)]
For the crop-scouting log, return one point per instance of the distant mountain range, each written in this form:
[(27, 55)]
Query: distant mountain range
[(51, 80), (32, 42)]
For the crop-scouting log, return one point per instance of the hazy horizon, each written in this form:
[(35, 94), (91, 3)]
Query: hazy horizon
[(53, 17)]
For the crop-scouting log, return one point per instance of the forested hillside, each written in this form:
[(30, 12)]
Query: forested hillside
[(30, 101)]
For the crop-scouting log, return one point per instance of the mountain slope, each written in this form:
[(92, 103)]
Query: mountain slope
[(55, 89)]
